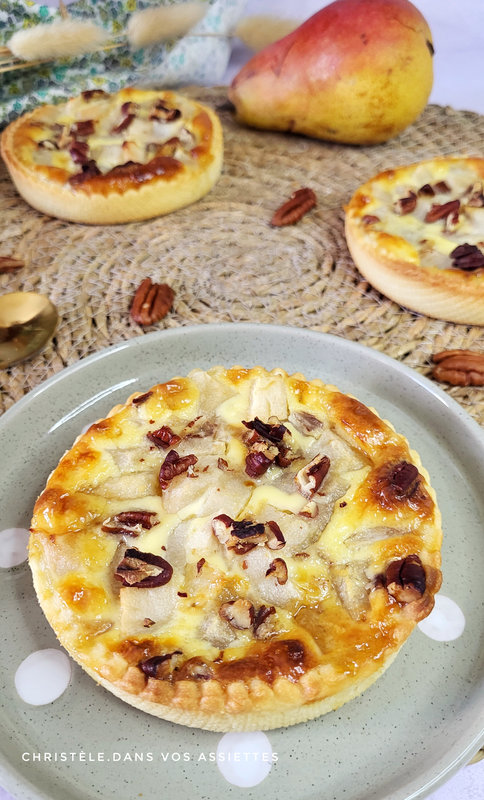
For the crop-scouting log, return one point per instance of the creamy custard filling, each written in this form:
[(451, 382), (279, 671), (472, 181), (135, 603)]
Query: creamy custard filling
[(112, 133), (429, 243), (207, 572)]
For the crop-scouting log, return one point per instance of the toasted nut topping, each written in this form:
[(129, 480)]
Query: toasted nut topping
[(222, 464), (475, 195), (310, 477), (266, 446), (467, 257), (405, 205), (90, 94), (78, 151), (451, 222), (442, 187), (243, 535), (300, 202), (459, 367), (245, 530), (263, 626), (402, 479), (129, 108), (164, 113), (441, 211), (370, 219), (273, 433), (84, 127), (88, 170), (160, 667), (426, 191), (278, 568), (238, 613), (143, 570), (200, 564), (222, 528), (151, 302), (9, 264), (141, 398), (130, 523), (124, 124), (257, 463), (164, 437), (174, 465), (148, 623), (310, 510), (275, 538), (405, 579)]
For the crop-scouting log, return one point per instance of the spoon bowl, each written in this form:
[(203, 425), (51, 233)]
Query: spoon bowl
[(27, 323)]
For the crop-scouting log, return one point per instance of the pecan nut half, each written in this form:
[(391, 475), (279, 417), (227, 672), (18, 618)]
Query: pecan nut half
[(151, 302), (441, 211), (238, 613), (9, 264), (278, 568), (294, 209), (405, 579), (243, 535), (405, 205), (160, 667), (467, 257), (143, 570), (174, 465), (264, 622), (130, 523), (268, 444), (164, 437), (311, 476), (459, 367)]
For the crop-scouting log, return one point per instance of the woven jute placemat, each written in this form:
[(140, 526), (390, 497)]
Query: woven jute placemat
[(226, 263)]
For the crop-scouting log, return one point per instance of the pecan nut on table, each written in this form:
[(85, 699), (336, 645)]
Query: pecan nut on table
[(459, 367), (294, 209), (151, 302), (9, 264)]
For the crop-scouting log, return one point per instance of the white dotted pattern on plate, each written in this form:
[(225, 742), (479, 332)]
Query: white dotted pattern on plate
[(445, 622), (244, 759), (43, 676), (13, 546)]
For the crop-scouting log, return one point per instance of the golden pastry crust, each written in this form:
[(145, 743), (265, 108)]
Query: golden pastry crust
[(102, 158), (238, 549), (417, 234)]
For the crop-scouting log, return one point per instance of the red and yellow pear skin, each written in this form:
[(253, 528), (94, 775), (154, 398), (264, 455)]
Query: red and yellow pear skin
[(357, 72)]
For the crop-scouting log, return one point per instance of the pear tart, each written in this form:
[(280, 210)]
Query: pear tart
[(102, 158), (237, 549), (417, 234)]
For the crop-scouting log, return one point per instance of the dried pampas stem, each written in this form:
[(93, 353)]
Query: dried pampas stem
[(154, 25), (70, 37), (61, 38), (260, 31)]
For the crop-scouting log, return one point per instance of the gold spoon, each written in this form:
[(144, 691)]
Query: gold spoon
[(27, 322)]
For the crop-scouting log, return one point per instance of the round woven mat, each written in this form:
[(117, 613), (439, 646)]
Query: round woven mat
[(226, 263)]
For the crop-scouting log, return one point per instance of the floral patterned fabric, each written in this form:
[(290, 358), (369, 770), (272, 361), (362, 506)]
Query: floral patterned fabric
[(198, 60)]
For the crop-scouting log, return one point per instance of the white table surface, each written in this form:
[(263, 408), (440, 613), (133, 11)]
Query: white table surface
[(458, 32)]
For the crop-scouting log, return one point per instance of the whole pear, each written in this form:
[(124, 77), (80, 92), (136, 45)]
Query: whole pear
[(357, 71)]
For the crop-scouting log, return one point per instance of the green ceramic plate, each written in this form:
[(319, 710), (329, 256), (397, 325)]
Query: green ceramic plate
[(400, 739)]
